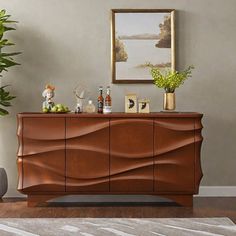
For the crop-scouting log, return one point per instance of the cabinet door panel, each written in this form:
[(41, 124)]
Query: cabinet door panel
[(43, 154), (131, 155), (87, 154), (174, 155)]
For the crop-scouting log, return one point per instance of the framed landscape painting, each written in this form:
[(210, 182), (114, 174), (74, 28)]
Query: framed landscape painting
[(141, 38)]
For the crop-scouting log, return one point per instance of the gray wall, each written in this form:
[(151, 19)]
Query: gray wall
[(67, 42)]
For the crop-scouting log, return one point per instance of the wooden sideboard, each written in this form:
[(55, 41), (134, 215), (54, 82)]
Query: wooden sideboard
[(65, 154)]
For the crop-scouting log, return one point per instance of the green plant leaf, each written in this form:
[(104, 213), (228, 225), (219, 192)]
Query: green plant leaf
[(11, 21), (4, 94), (9, 54), (2, 12), (3, 112), (170, 79), (6, 59), (5, 103), (8, 28), (4, 62), (8, 98), (5, 99), (5, 42), (5, 18)]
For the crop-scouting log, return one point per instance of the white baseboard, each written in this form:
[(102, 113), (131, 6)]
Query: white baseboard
[(204, 191), (217, 191)]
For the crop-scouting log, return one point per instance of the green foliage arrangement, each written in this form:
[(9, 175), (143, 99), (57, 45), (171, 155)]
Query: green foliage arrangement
[(6, 59), (170, 79)]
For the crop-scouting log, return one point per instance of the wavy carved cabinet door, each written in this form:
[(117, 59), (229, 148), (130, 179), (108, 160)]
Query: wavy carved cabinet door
[(43, 154), (174, 155), (87, 155), (131, 149)]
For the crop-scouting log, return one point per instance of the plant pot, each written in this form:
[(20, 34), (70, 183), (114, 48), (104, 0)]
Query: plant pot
[(169, 102), (3, 182)]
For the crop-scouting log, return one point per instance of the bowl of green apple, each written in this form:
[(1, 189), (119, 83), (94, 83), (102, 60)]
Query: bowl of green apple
[(58, 108)]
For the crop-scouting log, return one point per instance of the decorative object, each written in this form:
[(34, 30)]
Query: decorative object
[(131, 103), (119, 153), (100, 100), (141, 37), (49, 105), (107, 104), (143, 106), (169, 80), (79, 93), (90, 108), (6, 59), (169, 101), (3, 182), (118, 226), (59, 108), (48, 94)]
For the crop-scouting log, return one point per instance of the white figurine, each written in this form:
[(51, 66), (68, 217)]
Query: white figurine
[(48, 94)]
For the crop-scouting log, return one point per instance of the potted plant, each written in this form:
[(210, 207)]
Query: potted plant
[(6, 59), (170, 80)]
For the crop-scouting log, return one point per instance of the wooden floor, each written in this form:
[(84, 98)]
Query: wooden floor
[(203, 207)]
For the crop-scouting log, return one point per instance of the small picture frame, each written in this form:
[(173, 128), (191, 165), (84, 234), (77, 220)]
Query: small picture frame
[(131, 103), (143, 106)]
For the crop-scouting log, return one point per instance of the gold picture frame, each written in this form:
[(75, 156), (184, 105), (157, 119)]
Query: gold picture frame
[(144, 106), (125, 24), (131, 103)]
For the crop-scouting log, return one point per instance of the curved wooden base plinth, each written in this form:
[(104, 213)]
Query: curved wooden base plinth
[(41, 200), (182, 200)]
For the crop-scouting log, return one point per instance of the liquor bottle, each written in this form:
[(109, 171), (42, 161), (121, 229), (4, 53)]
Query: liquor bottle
[(107, 106), (100, 100)]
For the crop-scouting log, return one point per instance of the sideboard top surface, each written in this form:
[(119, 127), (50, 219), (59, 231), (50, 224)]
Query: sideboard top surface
[(113, 115)]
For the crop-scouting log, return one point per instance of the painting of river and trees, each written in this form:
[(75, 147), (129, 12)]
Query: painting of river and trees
[(140, 39)]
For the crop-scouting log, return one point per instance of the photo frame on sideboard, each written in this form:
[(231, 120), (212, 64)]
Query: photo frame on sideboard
[(141, 38)]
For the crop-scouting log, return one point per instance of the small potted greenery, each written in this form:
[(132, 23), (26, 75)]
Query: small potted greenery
[(6, 59), (169, 80)]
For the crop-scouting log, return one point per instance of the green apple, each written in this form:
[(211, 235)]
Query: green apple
[(54, 109), (45, 110), (60, 106)]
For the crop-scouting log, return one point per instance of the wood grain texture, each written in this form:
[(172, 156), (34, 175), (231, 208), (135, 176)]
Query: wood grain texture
[(20, 174), (111, 115), (43, 155), (177, 155), (198, 145), (174, 150), (19, 161), (39, 200), (87, 154), (131, 155)]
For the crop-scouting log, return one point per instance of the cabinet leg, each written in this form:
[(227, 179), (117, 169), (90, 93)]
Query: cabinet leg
[(36, 200), (183, 200)]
